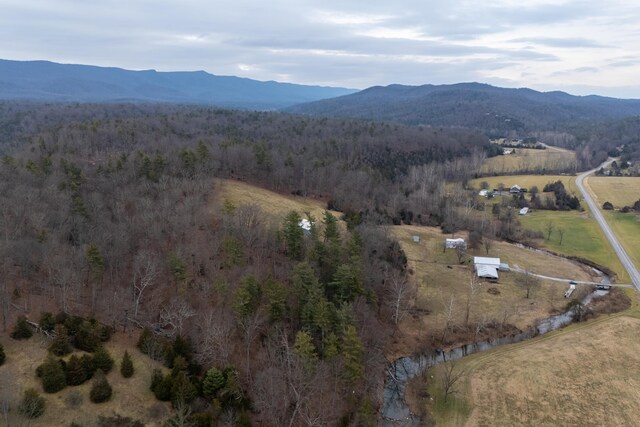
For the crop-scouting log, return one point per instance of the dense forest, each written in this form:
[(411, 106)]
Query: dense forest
[(111, 212)]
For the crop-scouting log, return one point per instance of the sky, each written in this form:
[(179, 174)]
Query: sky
[(579, 46)]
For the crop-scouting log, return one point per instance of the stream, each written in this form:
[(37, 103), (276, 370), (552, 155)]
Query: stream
[(395, 411)]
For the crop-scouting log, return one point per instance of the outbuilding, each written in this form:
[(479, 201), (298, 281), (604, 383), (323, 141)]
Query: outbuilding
[(455, 243), (524, 211), (486, 268)]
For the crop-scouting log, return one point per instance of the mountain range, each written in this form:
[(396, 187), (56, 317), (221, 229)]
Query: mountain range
[(49, 81), (473, 105)]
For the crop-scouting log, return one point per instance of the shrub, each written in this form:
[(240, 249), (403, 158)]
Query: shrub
[(61, 344), (52, 375), (100, 390), (22, 329), (74, 399), (32, 404), (608, 206), (126, 367), (103, 360), (76, 373), (2, 355)]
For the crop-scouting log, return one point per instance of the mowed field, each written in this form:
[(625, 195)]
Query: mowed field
[(619, 190), (527, 181), (626, 226), (273, 204), (131, 396), (438, 276), (582, 237), (583, 375), (526, 159)]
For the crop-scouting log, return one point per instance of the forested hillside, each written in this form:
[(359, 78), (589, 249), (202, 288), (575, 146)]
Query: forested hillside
[(496, 111), (109, 212)]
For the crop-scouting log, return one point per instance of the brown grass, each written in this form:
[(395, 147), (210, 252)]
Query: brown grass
[(584, 376), (131, 396), (528, 159), (619, 190), (438, 276), (275, 205)]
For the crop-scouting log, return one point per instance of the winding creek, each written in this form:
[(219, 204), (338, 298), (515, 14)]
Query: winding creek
[(396, 412)]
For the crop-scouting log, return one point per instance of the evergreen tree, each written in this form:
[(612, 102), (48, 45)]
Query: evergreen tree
[(87, 364), (100, 389), (76, 373), (182, 390), (214, 380), (32, 404), (331, 232), (22, 329), (347, 283), (303, 347), (2, 355), (247, 297), (52, 375), (95, 261), (61, 344), (352, 353), (102, 360), (126, 367), (277, 297), (87, 337), (293, 235), (47, 322)]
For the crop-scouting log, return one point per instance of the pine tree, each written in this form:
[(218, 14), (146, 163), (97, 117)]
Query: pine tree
[(126, 367), (76, 373), (61, 344), (303, 347), (101, 389), (352, 352), (2, 355), (214, 380), (182, 390), (103, 360), (22, 329), (52, 375), (293, 235)]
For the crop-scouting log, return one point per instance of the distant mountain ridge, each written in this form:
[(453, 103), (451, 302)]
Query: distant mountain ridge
[(473, 105), (50, 81)]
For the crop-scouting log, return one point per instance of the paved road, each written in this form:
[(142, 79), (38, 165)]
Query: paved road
[(617, 247)]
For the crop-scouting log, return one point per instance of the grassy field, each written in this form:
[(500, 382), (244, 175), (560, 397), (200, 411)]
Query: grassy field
[(527, 181), (582, 237), (275, 205), (619, 190), (438, 275), (528, 159), (131, 397), (568, 377), (627, 229)]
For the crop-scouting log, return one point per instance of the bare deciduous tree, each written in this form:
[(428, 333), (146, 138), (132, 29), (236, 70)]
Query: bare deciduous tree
[(561, 233), (474, 288), (174, 315), (400, 295), (450, 377), (145, 272), (215, 337), (549, 227)]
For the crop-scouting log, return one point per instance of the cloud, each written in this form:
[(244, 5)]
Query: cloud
[(535, 43)]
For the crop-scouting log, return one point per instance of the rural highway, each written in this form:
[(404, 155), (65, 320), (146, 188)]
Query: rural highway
[(595, 211)]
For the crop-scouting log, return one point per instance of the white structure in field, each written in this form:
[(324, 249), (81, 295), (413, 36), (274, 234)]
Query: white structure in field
[(523, 211), (515, 189), (570, 291), (455, 243), (486, 268)]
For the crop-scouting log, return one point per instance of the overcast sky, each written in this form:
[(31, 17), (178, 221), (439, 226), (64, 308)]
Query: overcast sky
[(581, 46)]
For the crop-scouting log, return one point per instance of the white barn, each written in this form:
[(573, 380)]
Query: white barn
[(486, 268)]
